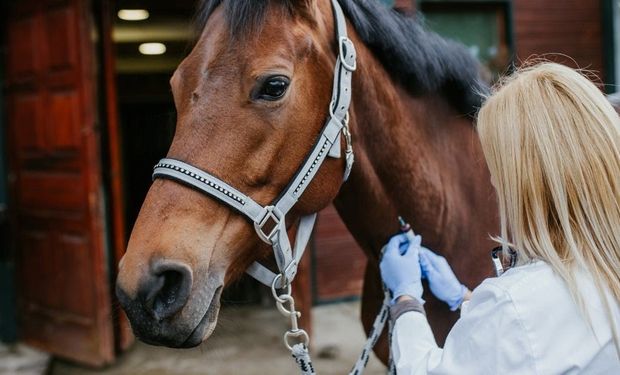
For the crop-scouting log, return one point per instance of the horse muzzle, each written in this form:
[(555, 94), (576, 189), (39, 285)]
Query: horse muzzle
[(168, 309)]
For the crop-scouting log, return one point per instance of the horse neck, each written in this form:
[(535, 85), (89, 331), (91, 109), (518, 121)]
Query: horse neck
[(414, 156)]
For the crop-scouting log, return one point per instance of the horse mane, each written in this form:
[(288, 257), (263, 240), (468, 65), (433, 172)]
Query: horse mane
[(420, 60)]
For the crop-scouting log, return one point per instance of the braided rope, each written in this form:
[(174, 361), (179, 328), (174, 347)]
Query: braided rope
[(301, 353), (391, 364), (302, 357), (373, 337)]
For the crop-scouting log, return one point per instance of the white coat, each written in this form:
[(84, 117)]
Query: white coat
[(524, 322)]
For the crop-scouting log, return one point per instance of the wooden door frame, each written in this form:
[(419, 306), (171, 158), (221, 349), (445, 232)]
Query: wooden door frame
[(113, 167)]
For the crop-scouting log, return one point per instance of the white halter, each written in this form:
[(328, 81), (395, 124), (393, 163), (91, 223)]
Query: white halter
[(269, 221)]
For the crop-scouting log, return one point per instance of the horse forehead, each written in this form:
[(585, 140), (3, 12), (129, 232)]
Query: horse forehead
[(213, 48), (279, 36)]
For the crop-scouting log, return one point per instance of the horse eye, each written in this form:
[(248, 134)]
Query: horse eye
[(273, 88)]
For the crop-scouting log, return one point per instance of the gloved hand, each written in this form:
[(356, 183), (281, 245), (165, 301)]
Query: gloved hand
[(442, 281), (400, 267)]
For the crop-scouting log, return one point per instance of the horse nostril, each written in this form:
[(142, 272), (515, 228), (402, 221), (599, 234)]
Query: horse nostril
[(167, 289), (171, 282)]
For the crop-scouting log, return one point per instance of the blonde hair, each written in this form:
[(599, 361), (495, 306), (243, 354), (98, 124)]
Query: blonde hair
[(552, 144)]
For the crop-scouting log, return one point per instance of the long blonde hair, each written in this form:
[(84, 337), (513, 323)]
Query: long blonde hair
[(552, 144)]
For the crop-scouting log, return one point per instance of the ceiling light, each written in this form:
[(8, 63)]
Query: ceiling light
[(133, 14), (152, 48)]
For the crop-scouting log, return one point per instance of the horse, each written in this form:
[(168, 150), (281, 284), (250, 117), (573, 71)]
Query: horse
[(251, 98)]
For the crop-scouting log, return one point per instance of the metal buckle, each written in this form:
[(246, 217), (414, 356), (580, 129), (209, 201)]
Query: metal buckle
[(349, 156), (276, 216), (349, 62)]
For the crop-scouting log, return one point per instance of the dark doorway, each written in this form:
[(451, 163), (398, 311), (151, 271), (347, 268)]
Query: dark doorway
[(146, 111)]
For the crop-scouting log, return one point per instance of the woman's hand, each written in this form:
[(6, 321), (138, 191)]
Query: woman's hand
[(400, 267), (441, 279)]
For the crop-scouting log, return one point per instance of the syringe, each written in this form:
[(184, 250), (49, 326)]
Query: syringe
[(406, 229)]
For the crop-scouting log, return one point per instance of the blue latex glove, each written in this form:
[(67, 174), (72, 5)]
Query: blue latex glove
[(400, 267), (442, 281)]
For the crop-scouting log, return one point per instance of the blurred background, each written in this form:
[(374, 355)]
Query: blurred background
[(86, 111)]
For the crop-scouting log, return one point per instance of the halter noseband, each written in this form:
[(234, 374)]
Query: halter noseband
[(269, 221)]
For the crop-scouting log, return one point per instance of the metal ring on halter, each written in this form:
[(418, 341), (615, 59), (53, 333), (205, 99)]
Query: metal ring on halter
[(296, 334), (274, 289)]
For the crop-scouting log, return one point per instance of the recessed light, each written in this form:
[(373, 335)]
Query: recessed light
[(133, 14), (152, 48)]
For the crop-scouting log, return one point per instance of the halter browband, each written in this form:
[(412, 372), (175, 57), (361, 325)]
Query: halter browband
[(269, 221)]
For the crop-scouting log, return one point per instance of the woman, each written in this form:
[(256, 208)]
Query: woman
[(552, 144)]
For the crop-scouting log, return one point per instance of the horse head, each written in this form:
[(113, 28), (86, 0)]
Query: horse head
[(251, 100)]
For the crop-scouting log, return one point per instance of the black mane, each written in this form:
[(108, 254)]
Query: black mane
[(419, 59)]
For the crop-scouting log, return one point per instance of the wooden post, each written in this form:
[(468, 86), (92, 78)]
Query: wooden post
[(123, 335)]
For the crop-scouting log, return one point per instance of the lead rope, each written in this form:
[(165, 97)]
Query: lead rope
[(373, 337), (302, 357), (300, 351), (301, 354)]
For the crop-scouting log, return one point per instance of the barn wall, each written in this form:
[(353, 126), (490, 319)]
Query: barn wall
[(338, 261), (570, 27)]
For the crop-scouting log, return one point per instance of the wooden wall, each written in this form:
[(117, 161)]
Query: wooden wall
[(338, 262), (570, 27)]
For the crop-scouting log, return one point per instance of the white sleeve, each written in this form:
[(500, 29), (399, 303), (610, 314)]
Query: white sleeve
[(488, 339)]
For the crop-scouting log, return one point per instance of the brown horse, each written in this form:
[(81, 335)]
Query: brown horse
[(251, 98)]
